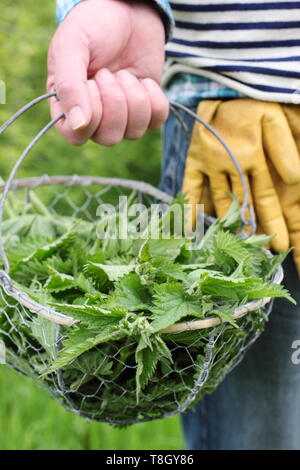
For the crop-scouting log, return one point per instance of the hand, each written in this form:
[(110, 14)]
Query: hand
[(256, 131), (105, 62)]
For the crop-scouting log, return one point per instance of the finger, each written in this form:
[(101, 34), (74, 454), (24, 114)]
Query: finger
[(192, 187), (158, 101), (114, 120), (68, 64), (268, 209), (220, 188), (280, 145), (82, 135), (138, 104)]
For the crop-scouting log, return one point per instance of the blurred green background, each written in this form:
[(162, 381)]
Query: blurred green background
[(29, 419)]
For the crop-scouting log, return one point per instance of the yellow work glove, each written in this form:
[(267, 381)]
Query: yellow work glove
[(256, 131)]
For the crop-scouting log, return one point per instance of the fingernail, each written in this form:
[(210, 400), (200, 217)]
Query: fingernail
[(106, 76), (76, 118)]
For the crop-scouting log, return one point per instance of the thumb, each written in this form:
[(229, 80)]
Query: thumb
[(68, 69)]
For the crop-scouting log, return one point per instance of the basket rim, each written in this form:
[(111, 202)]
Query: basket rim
[(87, 180)]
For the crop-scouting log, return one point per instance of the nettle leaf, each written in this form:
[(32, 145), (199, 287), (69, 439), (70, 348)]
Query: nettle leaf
[(58, 282), (98, 276), (111, 247), (232, 218), (25, 248), (131, 293), (65, 224), (168, 248), (168, 268), (45, 251), (64, 266), (160, 270), (97, 298), (171, 304), (82, 339), (33, 270), (85, 284), (45, 332), (150, 350), (230, 221), (258, 289), (42, 226), (240, 289), (230, 245), (276, 261), (197, 276), (259, 240), (113, 272), (218, 286), (90, 313), (226, 315), (29, 225), (94, 363)]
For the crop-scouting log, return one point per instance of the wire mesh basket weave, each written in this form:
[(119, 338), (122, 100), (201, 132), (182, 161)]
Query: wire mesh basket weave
[(204, 351)]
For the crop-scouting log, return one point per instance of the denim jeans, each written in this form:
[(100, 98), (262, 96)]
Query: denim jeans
[(257, 406)]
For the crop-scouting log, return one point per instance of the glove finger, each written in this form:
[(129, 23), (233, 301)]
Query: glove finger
[(220, 189), (192, 187), (292, 114), (292, 217), (280, 145), (207, 109), (268, 209)]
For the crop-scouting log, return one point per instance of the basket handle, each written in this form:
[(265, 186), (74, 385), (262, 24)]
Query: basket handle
[(173, 106)]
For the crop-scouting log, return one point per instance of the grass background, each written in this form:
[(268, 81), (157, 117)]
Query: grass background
[(29, 419)]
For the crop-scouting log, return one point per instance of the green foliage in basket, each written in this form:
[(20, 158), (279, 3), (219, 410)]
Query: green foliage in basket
[(115, 362)]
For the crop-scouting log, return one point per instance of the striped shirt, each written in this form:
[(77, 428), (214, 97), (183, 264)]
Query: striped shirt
[(251, 47)]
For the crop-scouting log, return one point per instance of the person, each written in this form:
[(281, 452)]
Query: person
[(237, 65)]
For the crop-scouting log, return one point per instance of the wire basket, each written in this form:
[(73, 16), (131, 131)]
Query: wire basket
[(204, 351)]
